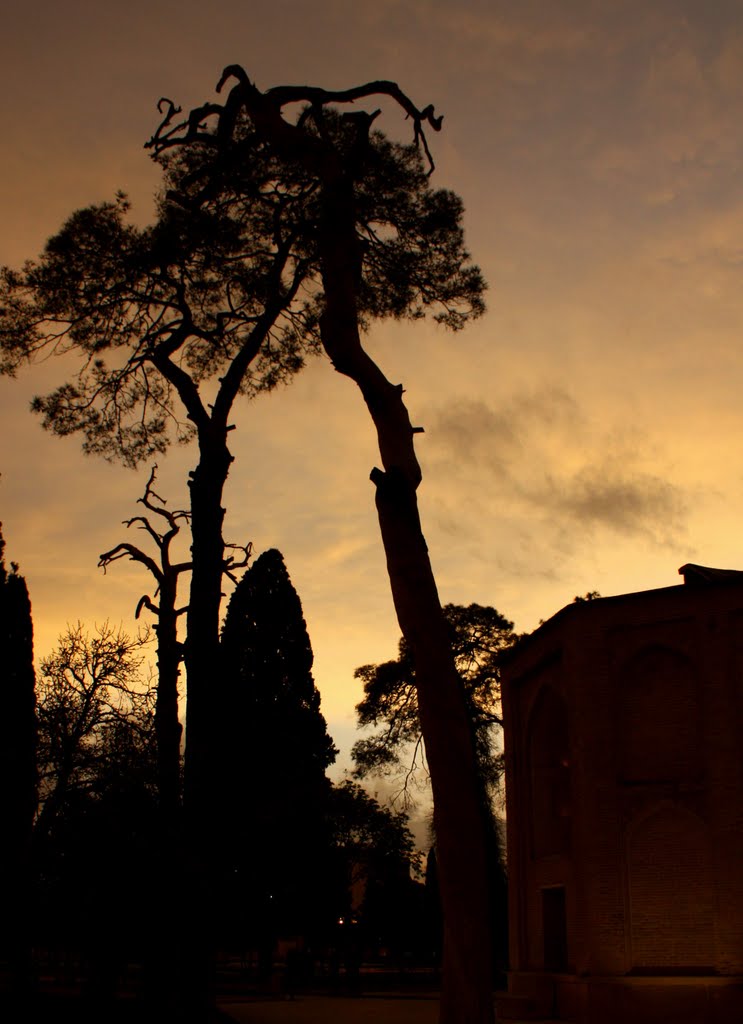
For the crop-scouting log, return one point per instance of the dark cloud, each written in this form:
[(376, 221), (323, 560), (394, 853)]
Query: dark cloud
[(541, 461), (616, 495)]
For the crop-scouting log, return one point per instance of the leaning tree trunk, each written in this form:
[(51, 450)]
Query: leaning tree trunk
[(460, 838)]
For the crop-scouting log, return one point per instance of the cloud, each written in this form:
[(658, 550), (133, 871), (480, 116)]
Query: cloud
[(541, 464), (616, 495)]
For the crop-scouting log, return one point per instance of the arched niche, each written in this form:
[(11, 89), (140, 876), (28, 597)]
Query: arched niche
[(549, 774), (658, 720), (671, 892)]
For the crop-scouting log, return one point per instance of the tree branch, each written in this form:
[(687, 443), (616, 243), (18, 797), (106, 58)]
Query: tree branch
[(266, 107), (136, 554)]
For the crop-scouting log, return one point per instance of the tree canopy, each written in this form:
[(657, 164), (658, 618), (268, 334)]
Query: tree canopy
[(374, 841), (155, 312), (373, 859), (224, 284), (478, 635), (222, 296), (96, 830)]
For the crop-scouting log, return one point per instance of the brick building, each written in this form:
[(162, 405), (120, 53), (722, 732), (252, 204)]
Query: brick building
[(624, 775)]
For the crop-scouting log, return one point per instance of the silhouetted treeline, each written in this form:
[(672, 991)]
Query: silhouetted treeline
[(297, 855), (296, 858)]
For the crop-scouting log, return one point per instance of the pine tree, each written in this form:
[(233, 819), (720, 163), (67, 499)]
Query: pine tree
[(478, 634), (275, 749), (417, 247)]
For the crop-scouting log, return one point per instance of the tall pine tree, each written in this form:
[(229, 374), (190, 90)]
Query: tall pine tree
[(17, 768), (275, 749)]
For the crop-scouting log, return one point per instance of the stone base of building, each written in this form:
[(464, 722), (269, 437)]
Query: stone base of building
[(656, 999)]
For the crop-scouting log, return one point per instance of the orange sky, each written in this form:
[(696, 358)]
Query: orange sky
[(586, 434)]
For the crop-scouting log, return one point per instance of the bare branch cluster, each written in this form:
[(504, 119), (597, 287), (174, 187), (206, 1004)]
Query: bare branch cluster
[(92, 705), (162, 569)]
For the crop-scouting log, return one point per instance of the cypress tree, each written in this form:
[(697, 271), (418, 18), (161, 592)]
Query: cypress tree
[(274, 748), (17, 768)]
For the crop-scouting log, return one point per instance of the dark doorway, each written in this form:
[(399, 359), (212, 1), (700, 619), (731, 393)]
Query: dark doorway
[(555, 928)]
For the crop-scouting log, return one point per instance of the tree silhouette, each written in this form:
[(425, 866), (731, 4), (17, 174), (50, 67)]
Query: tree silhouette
[(222, 288), (96, 718), (272, 235), (478, 635), (165, 573), (97, 826), (17, 768), (274, 748), (162, 526), (373, 855), (164, 606), (409, 237), (171, 325), (154, 315)]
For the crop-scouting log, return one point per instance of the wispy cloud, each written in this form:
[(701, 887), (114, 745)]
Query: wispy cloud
[(547, 465)]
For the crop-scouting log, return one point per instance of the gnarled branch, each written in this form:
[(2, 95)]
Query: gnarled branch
[(264, 106)]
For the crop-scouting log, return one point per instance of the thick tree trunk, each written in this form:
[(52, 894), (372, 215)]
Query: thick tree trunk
[(201, 658), (460, 846), (466, 993), (202, 644)]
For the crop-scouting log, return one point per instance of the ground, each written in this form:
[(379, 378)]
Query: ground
[(335, 1010)]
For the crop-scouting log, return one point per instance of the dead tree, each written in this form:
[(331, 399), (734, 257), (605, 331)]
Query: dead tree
[(169, 650), (164, 606)]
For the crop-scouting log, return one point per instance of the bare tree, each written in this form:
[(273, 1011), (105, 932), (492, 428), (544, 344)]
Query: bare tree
[(93, 707), (95, 838)]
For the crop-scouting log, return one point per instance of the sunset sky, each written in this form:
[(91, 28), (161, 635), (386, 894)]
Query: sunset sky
[(586, 434)]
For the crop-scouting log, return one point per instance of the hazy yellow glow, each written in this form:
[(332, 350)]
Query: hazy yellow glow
[(585, 435)]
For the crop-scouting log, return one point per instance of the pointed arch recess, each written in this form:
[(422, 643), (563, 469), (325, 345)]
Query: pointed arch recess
[(549, 775), (671, 891)]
